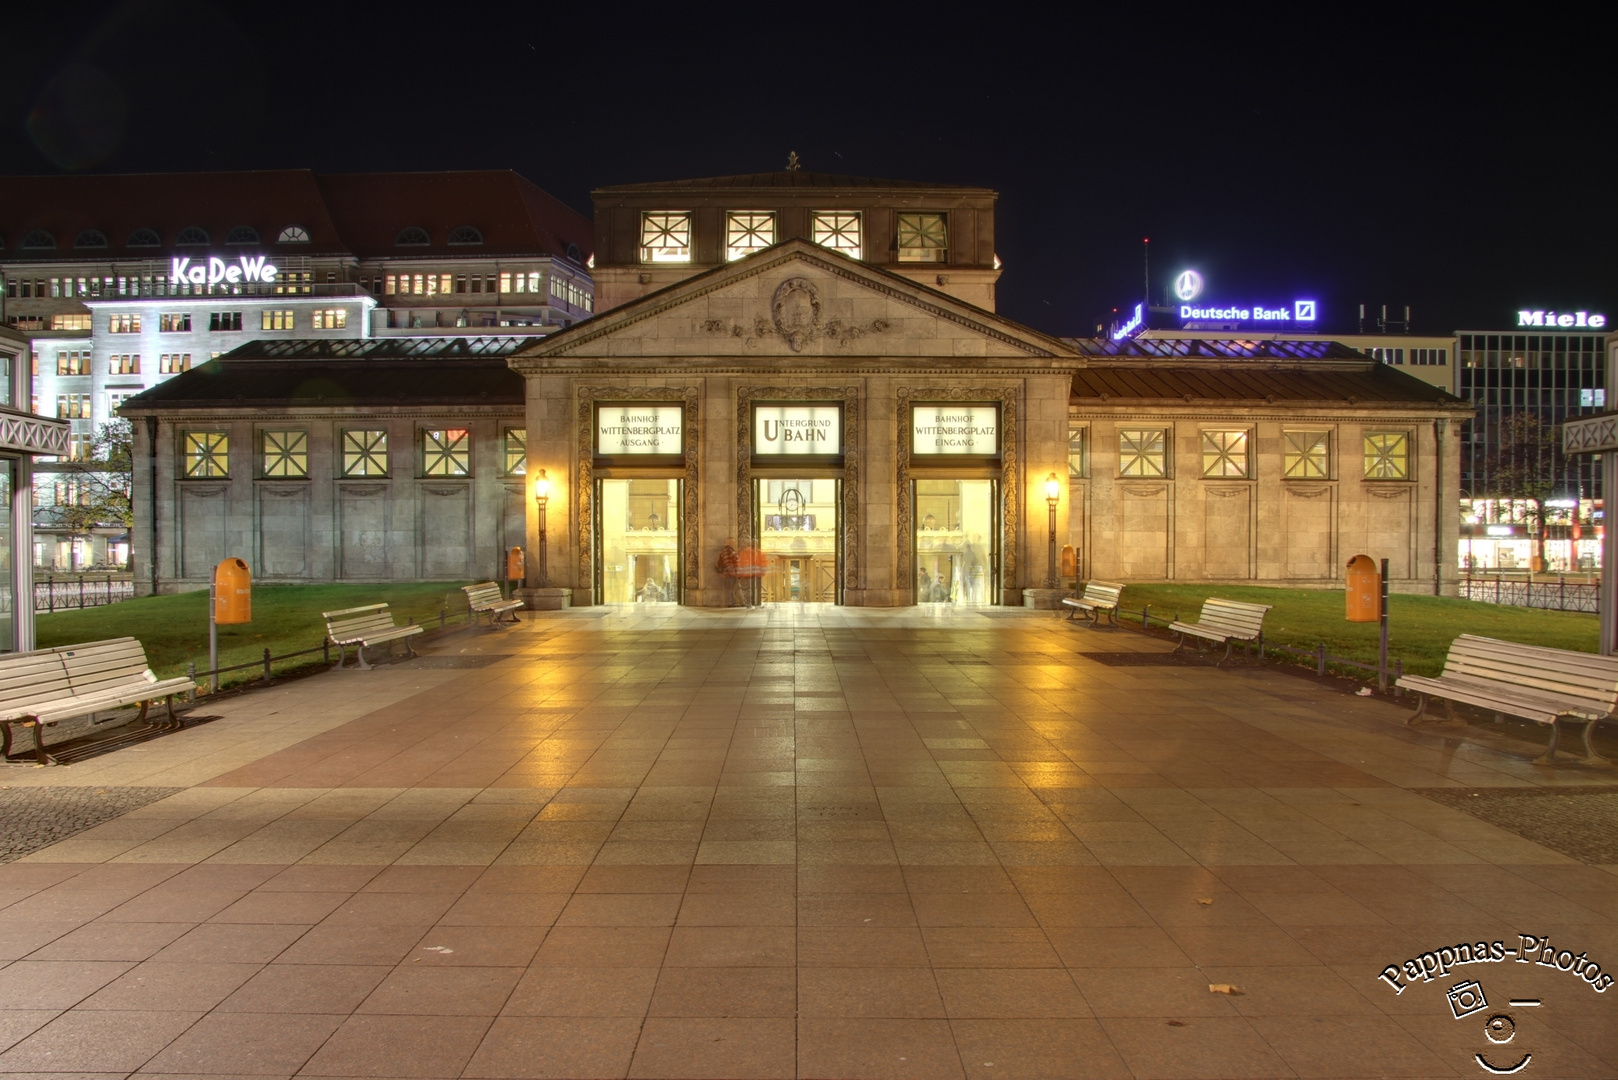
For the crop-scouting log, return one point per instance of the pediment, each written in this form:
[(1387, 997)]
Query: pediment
[(797, 301)]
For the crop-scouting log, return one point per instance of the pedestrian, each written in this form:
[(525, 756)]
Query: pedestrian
[(727, 569)]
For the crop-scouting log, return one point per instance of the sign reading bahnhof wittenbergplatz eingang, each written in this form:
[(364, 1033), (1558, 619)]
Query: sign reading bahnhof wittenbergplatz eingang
[(969, 430)]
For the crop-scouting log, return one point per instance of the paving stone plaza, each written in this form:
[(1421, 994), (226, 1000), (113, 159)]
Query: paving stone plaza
[(809, 841)]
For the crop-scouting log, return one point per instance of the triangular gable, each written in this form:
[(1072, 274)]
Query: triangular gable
[(798, 300)]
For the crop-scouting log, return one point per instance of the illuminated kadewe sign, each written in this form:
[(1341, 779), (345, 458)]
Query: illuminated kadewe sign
[(797, 430), (640, 429), (955, 429), (1301, 311), (1562, 320), (1134, 323), (217, 271)]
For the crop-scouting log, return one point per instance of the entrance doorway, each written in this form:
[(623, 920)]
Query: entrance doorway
[(957, 541), (638, 542), (801, 537)]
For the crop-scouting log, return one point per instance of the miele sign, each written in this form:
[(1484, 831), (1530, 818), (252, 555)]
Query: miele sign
[(1565, 320), (955, 429), (640, 429), (218, 272), (797, 430)]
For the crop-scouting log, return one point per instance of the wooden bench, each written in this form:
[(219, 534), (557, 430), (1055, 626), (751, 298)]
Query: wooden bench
[(1531, 681), (46, 686), (1227, 621), (363, 627), (1099, 597), (485, 599)]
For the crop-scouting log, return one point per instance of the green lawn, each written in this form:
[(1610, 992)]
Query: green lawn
[(286, 618), (1420, 628)]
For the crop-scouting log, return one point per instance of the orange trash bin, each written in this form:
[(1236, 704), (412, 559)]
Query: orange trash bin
[(232, 593), (516, 565), (1364, 590)]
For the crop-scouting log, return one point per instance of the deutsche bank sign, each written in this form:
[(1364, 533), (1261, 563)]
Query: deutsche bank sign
[(1301, 311)]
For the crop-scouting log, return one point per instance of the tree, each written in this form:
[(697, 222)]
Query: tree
[(99, 490), (1525, 463)]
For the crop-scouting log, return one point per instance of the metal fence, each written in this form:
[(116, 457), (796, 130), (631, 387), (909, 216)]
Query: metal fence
[(1558, 595), (67, 594)]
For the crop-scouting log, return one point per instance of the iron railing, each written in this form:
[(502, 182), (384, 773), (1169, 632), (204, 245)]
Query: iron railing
[(1558, 595), (68, 594)]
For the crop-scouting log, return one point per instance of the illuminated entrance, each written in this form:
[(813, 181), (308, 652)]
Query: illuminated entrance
[(957, 541), (637, 541), (800, 536)]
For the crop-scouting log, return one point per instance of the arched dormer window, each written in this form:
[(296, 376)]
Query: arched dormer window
[(192, 236), (575, 255), (242, 234), (38, 240), (90, 238), (465, 235), (412, 236), (293, 234), (144, 238)]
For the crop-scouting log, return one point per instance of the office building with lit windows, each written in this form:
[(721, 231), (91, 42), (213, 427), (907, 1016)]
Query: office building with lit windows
[(121, 282)]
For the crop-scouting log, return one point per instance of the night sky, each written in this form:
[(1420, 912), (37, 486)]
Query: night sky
[(1466, 169)]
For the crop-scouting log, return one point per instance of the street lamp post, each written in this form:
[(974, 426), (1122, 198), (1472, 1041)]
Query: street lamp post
[(542, 496), (1052, 495)]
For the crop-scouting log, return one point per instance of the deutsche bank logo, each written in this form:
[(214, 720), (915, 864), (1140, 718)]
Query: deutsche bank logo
[(1303, 310), (1188, 286)]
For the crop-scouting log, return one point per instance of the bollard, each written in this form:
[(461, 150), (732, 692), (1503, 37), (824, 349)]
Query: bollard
[(191, 673), (266, 667), (1145, 609), (1398, 673), (1320, 659), (325, 651), (441, 613)]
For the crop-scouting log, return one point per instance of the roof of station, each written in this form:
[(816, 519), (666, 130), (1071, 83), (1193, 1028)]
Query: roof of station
[(292, 212), (390, 373), (1362, 383), (1219, 348), (790, 178)]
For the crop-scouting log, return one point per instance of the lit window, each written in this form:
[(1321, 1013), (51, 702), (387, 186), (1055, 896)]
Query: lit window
[(207, 453), (293, 234), (124, 324), (839, 231), (365, 453), (665, 238), (286, 454), (116, 399), (505, 282), (516, 451), (175, 322), (1224, 454), (276, 320), (392, 284), (446, 452), (923, 238), (73, 362), (1142, 452), (123, 364), (331, 318), (227, 320), (747, 232), (1387, 456), (70, 322), (73, 406), (1075, 451), (174, 363), (1306, 455)]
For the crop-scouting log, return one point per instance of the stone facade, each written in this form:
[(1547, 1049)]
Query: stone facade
[(869, 340)]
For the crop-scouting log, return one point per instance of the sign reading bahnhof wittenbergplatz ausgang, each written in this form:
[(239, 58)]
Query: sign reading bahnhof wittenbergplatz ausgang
[(797, 430), (972, 430), (640, 429)]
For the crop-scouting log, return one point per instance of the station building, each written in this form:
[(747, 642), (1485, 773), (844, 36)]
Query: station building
[(811, 365), (23, 437), (122, 282)]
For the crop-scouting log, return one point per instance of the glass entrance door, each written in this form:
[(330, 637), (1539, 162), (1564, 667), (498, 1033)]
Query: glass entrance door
[(637, 541), (800, 536), (957, 541)]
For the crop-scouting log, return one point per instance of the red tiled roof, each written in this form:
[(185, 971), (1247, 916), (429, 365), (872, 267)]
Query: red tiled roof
[(1331, 383), (789, 179), (359, 214)]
